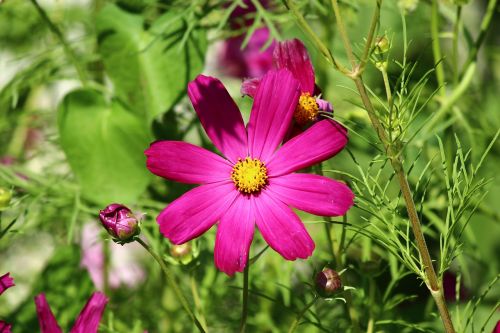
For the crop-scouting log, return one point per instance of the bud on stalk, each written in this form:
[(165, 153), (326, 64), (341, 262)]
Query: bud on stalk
[(120, 222)]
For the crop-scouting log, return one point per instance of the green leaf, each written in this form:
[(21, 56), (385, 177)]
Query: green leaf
[(104, 144), (151, 68)]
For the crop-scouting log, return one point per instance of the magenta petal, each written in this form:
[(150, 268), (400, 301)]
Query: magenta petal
[(219, 116), (272, 112), (90, 316), (234, 236), (48, 323), (186, 163), (196, 211), (314, 194), (4, 327), (6, 282), (292, 54), (318, 143), (282, 228), (249, 87)]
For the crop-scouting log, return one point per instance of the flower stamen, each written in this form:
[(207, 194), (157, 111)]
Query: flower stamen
[(307, 109), (249, 175)]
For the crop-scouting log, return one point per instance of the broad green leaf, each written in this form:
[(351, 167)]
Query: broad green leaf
[(149, 68), (104, 144)]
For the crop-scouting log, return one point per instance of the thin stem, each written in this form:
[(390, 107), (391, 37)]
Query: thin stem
[(197, 300), (244, 307), (371, 34), (318, 43), (490, 10), (343, 34), (171, 281), (436, 47), (67, 49), (296, 322), (456, 33)]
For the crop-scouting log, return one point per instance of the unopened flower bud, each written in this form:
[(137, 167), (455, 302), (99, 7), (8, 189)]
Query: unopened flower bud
[(382, 45), (328, 281), (5, 196), (120, 222)]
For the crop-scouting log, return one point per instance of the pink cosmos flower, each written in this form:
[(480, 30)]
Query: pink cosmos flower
[(87, 321), (6, 282), (254, 183), (292, 55)]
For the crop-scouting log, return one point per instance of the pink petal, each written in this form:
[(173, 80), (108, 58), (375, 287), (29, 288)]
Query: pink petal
[(4, 327), (314, 194), (186, 163), (90, 316), (6, 282), (219, 116), (234, 236), (319, 142), (48, 323), (249, 87), (282, 228), (196, 211), (272, 112), (292, 55)]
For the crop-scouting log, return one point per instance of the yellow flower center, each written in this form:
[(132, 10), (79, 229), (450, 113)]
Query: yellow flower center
[(249, 175), (307, 109)]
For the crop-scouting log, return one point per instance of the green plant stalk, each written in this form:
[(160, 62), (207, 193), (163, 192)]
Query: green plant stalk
[(171, 281), (485, 23), (67, 49), (371, 33), (317, 42), (197, 301), (436, 47), (397, 164), (244, 307), (456, 33), (296, 322)]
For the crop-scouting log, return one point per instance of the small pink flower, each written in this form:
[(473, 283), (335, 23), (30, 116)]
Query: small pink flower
[(6, 282), (292, 55), (255, 182), (87, 321)]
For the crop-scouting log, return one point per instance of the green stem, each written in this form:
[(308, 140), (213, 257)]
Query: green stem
[(343, 34), (197, 301), (490, 10), (171, 281), (371, 34), (67, 49), (244, 307), (456, 33), (318, 43), (296, 322), (436, 47)]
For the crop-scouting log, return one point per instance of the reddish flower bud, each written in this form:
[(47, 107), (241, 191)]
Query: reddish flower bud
[(120, 222), (328, 281)]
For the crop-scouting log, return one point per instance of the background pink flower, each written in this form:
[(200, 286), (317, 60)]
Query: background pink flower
[(124, 266), (255, 182)]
